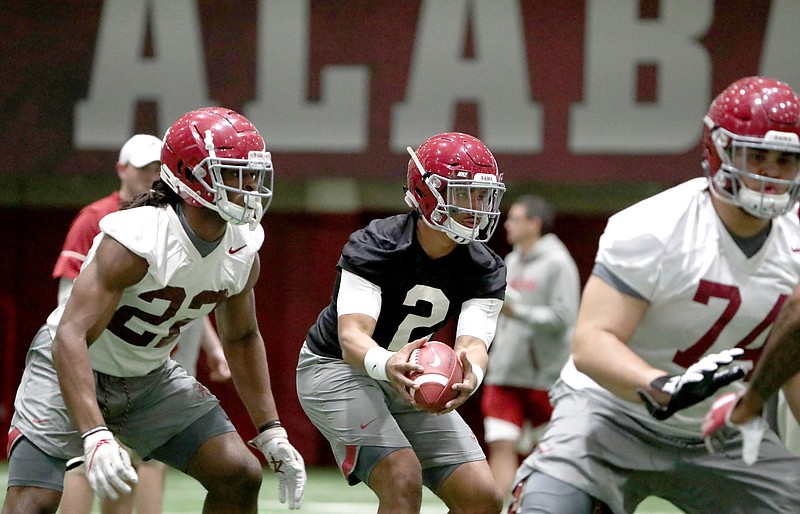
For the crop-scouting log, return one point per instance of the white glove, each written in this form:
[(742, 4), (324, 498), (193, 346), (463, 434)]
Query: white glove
[(284, 460), (717, 428), (108, 466)]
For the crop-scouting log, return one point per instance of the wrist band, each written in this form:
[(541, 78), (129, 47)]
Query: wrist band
[(93, 431), (478, 375), (269, 424), (375, 362)]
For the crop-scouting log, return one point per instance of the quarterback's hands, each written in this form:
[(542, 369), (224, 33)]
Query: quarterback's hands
[(718, 428), (700, 380), (399, 366), (284, 460), (108, 465), (467, 387)]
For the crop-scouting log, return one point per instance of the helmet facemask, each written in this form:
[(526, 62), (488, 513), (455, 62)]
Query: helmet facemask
[(773, 196), (466, 209), (256, 193)]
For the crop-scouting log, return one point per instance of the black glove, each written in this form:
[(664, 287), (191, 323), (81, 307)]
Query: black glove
[(701, 380)]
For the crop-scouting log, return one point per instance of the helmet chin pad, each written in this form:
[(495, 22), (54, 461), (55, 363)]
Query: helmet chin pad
[(728, 186), (459, 233), (250, 213), (765, 206)]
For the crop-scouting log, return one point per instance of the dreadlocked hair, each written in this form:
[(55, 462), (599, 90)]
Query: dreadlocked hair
[(160, 195)]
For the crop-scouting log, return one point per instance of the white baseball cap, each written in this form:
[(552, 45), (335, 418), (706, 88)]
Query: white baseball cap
[(140, 150)]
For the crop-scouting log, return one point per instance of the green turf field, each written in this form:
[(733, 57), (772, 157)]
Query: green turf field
[(326, 493)]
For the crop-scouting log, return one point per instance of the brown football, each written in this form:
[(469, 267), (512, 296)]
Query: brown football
[(442, 370)]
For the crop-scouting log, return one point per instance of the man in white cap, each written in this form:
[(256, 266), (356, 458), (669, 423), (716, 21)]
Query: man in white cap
[(138, 167)]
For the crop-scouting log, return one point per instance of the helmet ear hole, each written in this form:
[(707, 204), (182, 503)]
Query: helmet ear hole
[(186, 171)]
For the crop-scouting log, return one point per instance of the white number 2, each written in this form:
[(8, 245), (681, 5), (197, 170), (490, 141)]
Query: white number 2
[(415, 296)]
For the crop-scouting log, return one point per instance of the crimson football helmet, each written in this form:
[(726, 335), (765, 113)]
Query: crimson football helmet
[(205, 146), (754, 113), (454, 183)]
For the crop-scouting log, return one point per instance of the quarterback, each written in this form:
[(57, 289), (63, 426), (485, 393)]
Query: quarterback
[(400, 279)]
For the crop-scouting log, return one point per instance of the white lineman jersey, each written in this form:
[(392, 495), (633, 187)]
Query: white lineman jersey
[(705, 295), (180, 286)]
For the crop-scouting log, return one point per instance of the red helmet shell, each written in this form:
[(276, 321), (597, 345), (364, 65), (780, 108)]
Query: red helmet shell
[(184, 145), (453, 156), (751, 107)]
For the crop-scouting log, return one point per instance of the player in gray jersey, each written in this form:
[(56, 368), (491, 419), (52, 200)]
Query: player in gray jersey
[(685, 282), (399, 280), (100, 366)]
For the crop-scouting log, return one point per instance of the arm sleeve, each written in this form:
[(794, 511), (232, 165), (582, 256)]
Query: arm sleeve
[(478, 318), (358, 295)]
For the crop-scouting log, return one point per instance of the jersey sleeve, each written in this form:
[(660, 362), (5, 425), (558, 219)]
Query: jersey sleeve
[(643, 244), (491, 272), (371, 252), (137, 230), (631, 254)]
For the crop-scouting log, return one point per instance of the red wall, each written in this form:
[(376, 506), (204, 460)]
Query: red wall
[(297, 270)]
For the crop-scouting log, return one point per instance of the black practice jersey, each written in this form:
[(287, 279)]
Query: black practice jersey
[(418, 295)]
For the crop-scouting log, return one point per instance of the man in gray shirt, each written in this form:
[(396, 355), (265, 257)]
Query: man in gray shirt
[(533, 335)]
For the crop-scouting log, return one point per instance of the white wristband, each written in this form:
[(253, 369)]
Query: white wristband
[(478, 375), (375, 362)]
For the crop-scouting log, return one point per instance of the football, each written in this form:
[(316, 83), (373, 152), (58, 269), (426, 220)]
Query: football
[(442, 370)]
